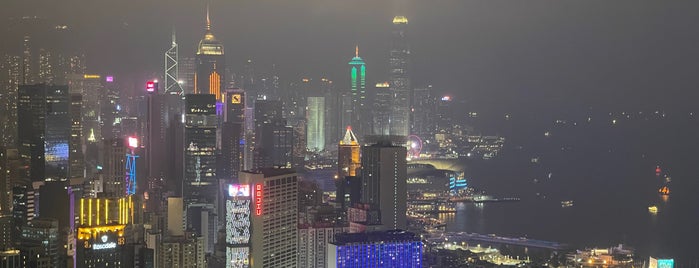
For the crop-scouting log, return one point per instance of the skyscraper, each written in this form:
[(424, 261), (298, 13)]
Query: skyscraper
[(400, 87), (384, 182), (348, 168), (315, 124), (210, 62), (393, 248), (9, 82), (422, 112), (172, 74), (381, 109), (200, 147), (358, 93), (273, 138), (275, 217), (232, 130), (44, 127)]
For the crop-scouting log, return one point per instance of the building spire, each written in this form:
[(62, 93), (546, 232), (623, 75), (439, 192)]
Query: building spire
[(174, 36), (208, 21), (356, 51)]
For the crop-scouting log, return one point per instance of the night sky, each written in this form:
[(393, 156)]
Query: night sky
[(496, 53)]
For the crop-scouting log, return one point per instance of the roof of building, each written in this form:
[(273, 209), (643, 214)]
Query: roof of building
[(375, 237)]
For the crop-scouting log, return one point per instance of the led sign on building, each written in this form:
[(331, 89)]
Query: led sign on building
[(258, 199), (238, 190)]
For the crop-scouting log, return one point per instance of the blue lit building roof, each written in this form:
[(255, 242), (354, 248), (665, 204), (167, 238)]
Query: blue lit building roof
[(375, 237)]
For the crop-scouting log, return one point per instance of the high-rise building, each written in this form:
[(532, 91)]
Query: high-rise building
[(274, 218), (105, 232), (313, 243), (384, 182), (400, 79), (76, 157), (44, 128), (183, 251), (381, 110), (114, 167), (395, 248), (315, 124), (187, 71), (274, 140), (39, 244), (422, 112), (232, 130), (9, 82), (348, 162), (211, 66), (358, 92), (238, 228), (200, 149), (172, 74), (27, 70), (93, 93)]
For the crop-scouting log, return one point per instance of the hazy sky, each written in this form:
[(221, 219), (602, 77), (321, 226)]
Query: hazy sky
[(503, 52)]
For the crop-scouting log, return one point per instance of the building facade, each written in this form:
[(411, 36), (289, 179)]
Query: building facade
[(395, 248)]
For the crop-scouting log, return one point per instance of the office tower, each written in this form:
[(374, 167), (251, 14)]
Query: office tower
[(273, 142), (27, 74), (443, 114), (45, 75), (400, 79), (200, 148), (175, 217), (187, 70), (202, 220), (393, 248), (359, 96), (238, 213), (384, 181), (232, 130), (105, 232), (383, 98), (172, 74), (114, 167), (275, 217), (183, 251), (210, 62), (5, 183), (75, 155), (39, 243), (90, 87), (348, 162), (315, 124), (422, 112), (9, 82), (44, 127), (313, 243)]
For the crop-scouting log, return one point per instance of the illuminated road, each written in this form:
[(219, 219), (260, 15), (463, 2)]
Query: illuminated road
[(458, 237)]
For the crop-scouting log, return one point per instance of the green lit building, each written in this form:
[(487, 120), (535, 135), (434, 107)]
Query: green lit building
[(360, 117)]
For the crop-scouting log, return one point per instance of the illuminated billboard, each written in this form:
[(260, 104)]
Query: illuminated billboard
[(238, 190), (237, 221), (151, 86)]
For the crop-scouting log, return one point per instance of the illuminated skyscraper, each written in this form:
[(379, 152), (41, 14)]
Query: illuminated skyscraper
[(210, 62), (358, 93), (172, 74), (27, 75), (104, 232), (315, 124), (10, 69), (348, 162), (381, 109), (400, 79), (232, 134), (393, 248), (422, 112), (44, 127), (274, 222), (200, 148), (238, 213)]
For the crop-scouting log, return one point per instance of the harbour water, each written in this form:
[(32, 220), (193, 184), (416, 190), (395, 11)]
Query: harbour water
[(608, 170)]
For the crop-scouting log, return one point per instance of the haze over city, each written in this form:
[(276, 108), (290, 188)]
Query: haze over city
[(228, 133)]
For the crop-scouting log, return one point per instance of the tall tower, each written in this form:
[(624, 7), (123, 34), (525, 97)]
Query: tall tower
[(210, 64), (348, 163), (172, 80), (400, 79), (384, 182), (358, 92)]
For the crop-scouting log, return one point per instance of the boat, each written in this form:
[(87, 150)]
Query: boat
[(653, 209), (567, 203)]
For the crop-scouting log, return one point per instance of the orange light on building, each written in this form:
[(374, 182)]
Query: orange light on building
[(215, 85), (258, 199)]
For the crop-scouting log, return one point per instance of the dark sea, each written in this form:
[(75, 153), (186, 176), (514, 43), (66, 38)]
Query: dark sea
[(607, 169)]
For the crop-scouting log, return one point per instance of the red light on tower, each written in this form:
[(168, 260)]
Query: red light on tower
[(133, 142), (152, 86)]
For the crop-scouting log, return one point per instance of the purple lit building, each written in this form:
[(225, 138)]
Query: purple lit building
[(394, 248)]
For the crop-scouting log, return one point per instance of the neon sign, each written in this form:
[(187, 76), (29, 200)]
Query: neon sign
[(151, 86), (258, 199), (104, 244)]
